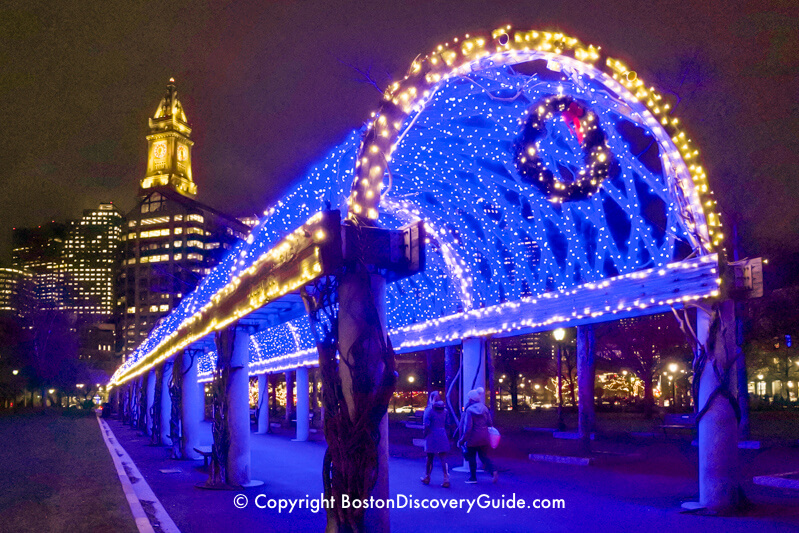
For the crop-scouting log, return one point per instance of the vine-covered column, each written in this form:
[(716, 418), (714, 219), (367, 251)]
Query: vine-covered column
[(230, 459), (176, 411), (192, 404), (155, 408), (718, 414), (166, 403)]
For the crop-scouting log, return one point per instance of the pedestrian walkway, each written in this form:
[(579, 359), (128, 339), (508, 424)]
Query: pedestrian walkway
[(618, 494)]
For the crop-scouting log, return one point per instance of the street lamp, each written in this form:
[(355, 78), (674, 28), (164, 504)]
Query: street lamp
[(673, 367), (15, 372), (559, 335)]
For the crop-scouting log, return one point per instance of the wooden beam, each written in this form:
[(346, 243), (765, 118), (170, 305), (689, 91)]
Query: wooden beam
[(640, 293), (313, 250)]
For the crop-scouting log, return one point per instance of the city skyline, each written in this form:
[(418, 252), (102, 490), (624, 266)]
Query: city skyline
[(284, 83)]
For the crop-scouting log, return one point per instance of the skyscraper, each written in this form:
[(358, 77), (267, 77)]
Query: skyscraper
[(40, 251), (170, 240), (90, 260)]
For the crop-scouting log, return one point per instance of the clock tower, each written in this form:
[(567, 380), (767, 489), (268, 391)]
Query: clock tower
[(169, 148)]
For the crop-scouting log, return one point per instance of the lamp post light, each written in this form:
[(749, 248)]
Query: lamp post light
[(15, 372), (559, 335), (673, 368)]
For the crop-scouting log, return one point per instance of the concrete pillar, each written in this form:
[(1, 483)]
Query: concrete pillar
[(586, 372), (289, 396), (473, 366), (150, 401), (238, 398), (166, 403), (719, 487), (192, 404), (355, 312), (263, 403), (303, 402)]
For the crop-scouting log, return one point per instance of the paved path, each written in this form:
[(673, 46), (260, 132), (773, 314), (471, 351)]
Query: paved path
[(620, 493)]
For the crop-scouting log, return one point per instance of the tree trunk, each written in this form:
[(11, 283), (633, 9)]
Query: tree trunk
[(492, 384), (513, 386), (571, 369), (649, 395), (429, 369), (586, 372)]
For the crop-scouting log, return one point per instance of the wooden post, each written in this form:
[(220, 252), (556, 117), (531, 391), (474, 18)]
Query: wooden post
[(586, 371)]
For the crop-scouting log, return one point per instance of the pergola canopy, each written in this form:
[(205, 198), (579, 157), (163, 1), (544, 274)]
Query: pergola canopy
[(555, 187)]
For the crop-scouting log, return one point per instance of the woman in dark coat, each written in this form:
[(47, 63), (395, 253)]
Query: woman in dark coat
[(436, 440), (475, 421)]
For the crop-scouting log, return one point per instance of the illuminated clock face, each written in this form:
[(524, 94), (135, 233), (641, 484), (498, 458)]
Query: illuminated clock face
[(183, 153), (159, 150)]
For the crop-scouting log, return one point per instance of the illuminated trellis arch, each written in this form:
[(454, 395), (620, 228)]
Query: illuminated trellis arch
[(442, 149), (446, 135)]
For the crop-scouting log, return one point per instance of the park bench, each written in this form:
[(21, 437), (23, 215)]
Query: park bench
[(678, 422), (310, 422), (206, 452), (415, 420)]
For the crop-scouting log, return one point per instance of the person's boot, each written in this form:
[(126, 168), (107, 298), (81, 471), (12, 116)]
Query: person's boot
[(445, 484), (428, 470)]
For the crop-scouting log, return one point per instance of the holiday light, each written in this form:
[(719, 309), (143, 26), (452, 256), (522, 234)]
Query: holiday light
[(449, 147)]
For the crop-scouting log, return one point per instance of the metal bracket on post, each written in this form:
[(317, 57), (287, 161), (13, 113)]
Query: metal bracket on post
[(399, 253)]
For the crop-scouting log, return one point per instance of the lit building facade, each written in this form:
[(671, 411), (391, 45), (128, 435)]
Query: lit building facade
[(40, 251), (15, 291), (90, 259), (169, 240)]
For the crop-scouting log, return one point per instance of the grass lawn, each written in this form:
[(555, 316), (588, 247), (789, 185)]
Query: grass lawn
[(57, 475)]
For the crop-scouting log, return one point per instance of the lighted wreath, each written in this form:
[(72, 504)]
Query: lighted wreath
[(584, 126)]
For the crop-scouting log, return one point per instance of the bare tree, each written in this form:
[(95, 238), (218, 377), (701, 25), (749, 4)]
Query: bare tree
[(641, 344)]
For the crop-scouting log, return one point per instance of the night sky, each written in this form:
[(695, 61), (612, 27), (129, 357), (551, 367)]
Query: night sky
[(270, 87)]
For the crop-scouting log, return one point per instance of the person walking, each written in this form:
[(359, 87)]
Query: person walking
[(474, 426), (436, 441)]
